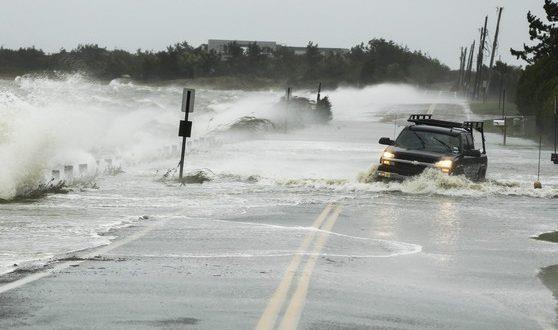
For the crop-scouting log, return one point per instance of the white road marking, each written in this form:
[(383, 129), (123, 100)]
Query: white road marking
[(63, 265)]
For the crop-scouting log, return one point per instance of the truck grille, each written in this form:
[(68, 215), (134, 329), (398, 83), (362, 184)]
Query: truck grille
[(415, 157), (407, 169)]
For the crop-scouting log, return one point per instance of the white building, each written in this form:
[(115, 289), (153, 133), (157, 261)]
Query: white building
[(219, 46), (268, 47)]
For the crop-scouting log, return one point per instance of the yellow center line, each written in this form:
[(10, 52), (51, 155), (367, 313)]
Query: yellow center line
[(298, 299), (431, 109), (269, 316)]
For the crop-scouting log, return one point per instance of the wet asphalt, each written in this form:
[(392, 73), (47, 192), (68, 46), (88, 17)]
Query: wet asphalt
[(468, 272)]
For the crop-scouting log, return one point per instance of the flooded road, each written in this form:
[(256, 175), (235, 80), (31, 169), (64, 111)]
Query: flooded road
[(284, 234)]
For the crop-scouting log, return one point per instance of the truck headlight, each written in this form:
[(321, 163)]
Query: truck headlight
[(445, 165), (386, 156)]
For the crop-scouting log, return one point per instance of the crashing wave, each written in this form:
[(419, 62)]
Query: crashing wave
[(252, 124)]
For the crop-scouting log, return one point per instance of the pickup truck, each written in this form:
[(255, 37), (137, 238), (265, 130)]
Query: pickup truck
[(429, 143)]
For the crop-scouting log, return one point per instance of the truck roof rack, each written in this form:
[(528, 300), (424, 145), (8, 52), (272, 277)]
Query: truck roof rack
[(422, 119), (426, 119)]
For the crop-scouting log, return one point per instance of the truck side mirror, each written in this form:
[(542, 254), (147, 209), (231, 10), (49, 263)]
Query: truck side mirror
[(386, 141), (472, 153)]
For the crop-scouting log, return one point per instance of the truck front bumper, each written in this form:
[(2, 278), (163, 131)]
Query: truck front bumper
[(385, 175), (400, 169)]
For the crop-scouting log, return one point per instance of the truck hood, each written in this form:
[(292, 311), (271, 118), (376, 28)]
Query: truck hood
[(421, 156)]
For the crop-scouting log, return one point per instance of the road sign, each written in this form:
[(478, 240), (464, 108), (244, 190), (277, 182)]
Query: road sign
[(185, 128), (188, 96)]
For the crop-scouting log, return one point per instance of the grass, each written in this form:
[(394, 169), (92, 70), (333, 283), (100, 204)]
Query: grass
[(38, 192), (199, 176), (548, 237), (490, 107)]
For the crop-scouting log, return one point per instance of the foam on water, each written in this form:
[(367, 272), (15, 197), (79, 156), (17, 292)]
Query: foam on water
[(431, 182), (285, 242)]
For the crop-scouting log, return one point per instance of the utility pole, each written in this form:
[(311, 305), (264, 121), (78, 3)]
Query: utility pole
[(319, 91), (483, 48), (494, 48), (470, 67), (460, 78), (477, 71), (465, 50), (462, 64), (480, 59)]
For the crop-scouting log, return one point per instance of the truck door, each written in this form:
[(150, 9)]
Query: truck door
[(471, 165)]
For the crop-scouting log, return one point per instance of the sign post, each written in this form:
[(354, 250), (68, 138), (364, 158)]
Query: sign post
[(288, 100), (185, 128), (554, 156), (538, 184), (505, 126)]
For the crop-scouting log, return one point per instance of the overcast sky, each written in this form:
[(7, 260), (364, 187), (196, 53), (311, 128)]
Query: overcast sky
[(437, 27)]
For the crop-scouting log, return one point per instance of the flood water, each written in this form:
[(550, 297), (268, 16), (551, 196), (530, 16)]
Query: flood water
[(475, 229)]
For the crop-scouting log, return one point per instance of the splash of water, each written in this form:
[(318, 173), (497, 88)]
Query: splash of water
[(430, 182), (46, 123)]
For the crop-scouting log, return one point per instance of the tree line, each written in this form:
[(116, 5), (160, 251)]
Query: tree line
[(538, 84), (377, 61)]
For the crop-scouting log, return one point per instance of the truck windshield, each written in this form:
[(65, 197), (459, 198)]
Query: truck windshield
[(428, 141)]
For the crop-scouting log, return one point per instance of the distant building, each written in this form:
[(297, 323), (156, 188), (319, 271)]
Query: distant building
[(268, 47), (322, 50), (219, 46)]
